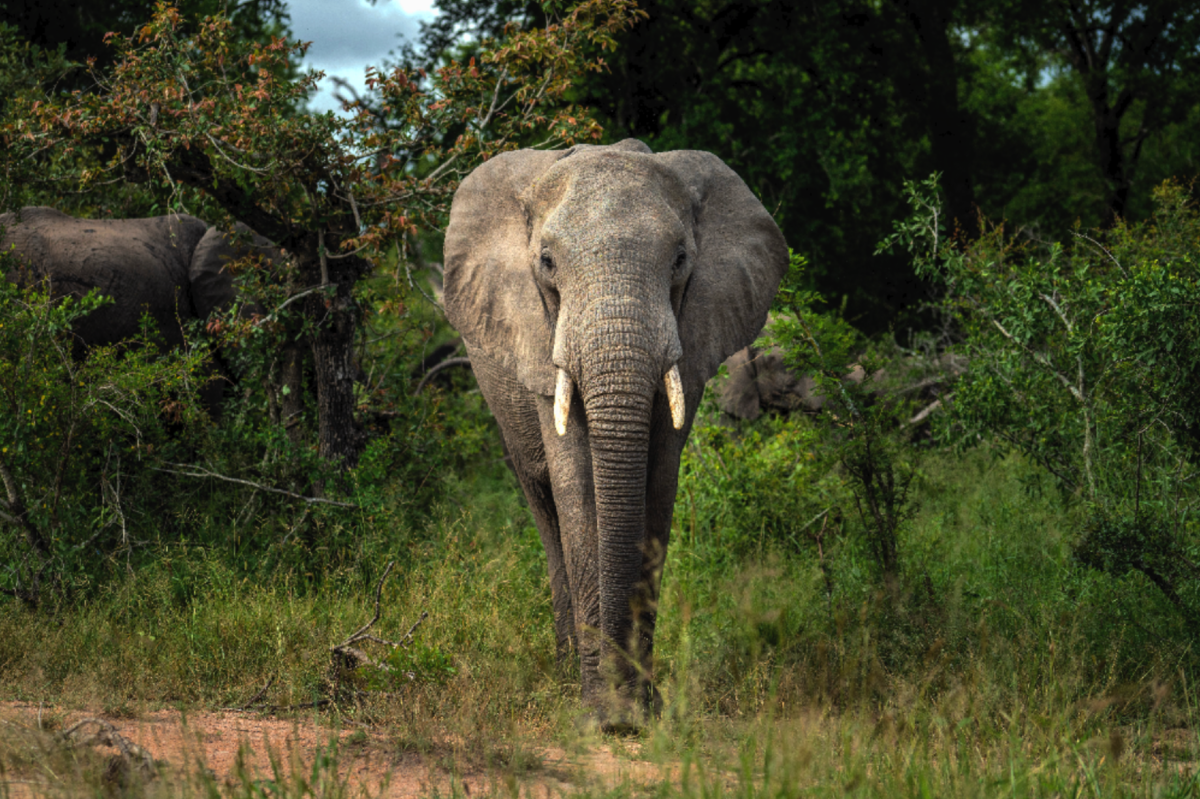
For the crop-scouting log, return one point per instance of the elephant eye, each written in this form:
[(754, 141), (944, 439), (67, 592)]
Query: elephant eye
[(547, 263), (680, 262)]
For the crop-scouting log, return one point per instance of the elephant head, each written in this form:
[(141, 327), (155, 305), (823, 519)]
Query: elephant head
[(601, 287), (210, 281)]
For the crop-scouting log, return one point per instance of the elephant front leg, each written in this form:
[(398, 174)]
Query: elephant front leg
[(516, 412), (568, 459), (541, 502)]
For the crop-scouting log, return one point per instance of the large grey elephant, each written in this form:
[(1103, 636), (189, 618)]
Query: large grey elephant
[(172, 267), (597, 289)]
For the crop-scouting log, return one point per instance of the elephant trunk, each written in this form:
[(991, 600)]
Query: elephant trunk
[(624, 361), (618, 418)]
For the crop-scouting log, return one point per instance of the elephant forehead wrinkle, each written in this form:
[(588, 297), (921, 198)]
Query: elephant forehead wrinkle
[(639, 218), (601, 206)]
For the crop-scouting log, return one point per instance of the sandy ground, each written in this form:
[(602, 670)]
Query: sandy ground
[(366, 763)]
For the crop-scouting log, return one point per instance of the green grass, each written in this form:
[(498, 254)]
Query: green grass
[(995, 666)]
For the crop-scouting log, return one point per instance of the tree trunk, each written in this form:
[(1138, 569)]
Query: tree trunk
[(339, 437), (291, 379), (1107, 123), (1091, 52)]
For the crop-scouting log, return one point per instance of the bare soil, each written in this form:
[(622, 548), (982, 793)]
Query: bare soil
[(182, 744)]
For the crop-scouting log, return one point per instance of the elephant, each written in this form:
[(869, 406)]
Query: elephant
[(759, 380), (171, 267), (596, 290)]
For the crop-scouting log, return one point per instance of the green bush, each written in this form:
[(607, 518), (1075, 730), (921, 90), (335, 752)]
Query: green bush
[(77, 435), (749, 489), (860, 422), (1084, 357)]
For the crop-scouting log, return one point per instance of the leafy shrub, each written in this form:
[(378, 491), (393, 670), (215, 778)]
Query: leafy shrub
[(77, 435), (860, 424), (764, 485), (1084, 357)]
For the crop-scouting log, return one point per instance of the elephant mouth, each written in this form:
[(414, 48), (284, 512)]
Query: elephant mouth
[(564, 389)]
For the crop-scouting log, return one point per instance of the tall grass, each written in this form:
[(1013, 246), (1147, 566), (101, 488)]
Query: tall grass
[(994, 666)]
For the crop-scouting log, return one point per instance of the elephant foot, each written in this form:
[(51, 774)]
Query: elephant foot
[(611, 722), (616, 713)]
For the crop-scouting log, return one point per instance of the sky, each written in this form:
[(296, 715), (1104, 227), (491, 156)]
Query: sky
[(349, 35)]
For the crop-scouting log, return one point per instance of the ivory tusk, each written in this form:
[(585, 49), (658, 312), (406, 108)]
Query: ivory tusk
[(563, 389), (675, 396)]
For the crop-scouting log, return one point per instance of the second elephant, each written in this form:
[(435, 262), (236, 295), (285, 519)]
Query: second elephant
[(172, 267)]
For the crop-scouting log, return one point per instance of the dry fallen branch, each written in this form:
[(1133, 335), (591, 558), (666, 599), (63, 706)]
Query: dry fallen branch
[(924, 413), (343, 682), (348, 658), (132, 756), (346, 649), (201, 472), (249, 703)]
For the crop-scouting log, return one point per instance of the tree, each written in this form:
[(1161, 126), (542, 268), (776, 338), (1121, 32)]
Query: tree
[(209, 119), (1137, 64), (80, 28), (1082, 358), (824, 108)]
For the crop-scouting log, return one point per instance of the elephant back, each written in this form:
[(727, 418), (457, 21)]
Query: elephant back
[(141, 263)]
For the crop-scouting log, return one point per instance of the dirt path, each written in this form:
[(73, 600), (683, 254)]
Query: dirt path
[(366, 763)]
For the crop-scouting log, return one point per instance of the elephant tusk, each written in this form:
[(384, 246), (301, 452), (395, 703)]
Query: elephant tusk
[(563, 389), (675, 396)]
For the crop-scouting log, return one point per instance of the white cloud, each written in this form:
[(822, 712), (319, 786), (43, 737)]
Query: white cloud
[(417, 7), (349, 35)]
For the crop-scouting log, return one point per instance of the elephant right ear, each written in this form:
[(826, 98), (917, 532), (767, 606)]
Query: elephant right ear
[(490, 294)]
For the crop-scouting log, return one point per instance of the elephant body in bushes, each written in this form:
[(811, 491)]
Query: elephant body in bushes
[(172, 267), (759, 381), (597, 289)]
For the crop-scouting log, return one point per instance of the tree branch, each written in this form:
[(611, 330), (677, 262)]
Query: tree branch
[(200, 472), (18, 514)]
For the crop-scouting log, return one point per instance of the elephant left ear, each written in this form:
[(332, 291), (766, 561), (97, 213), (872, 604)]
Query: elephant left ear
[(740, 258)]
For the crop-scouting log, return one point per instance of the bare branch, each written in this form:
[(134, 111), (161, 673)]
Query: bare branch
[(1102, 249), (235, 164), (355, 636), (321, 254), (495, 98), (437, 173), (1058, 310), (18, 514), (446, 364), (290, 300), (257, 697), (1040, 358), (200, 472), (920, 417), (107, 735)]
